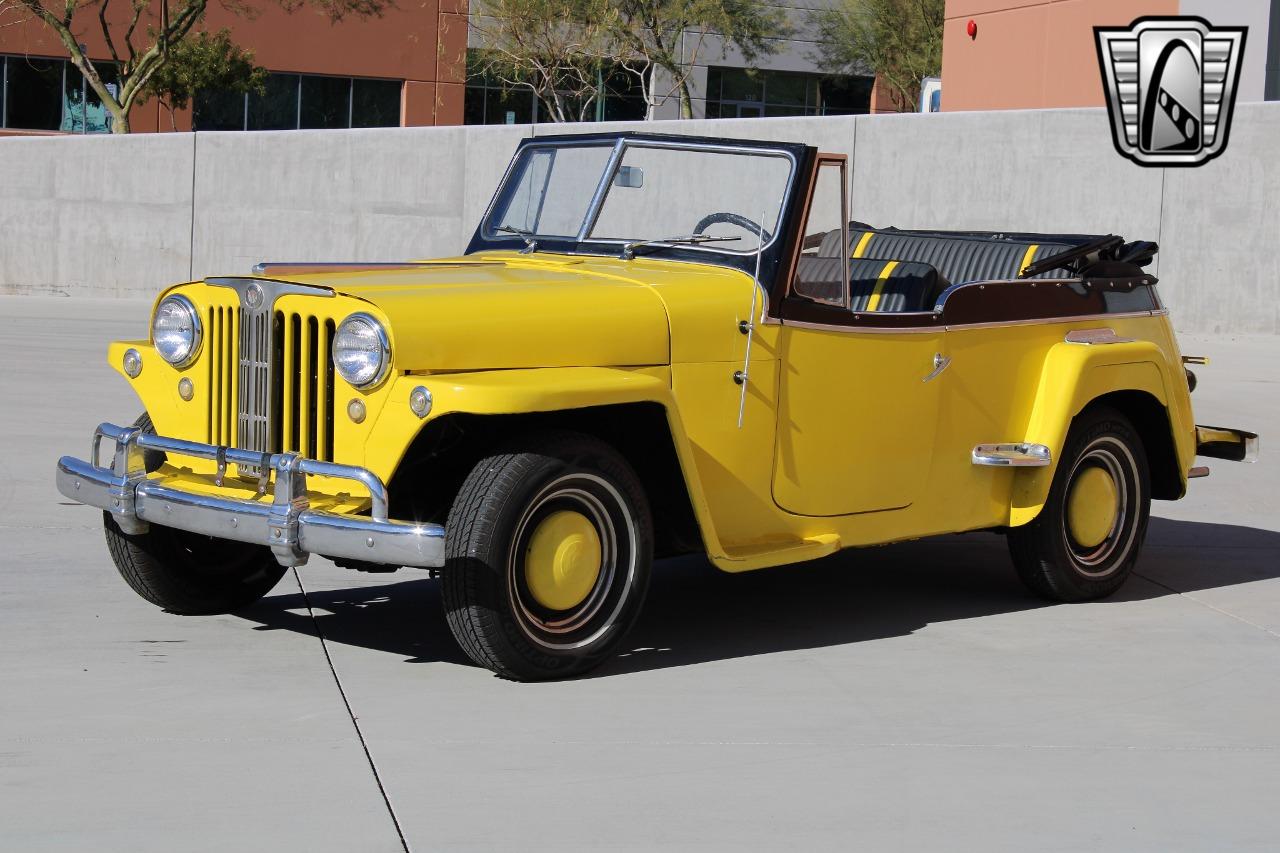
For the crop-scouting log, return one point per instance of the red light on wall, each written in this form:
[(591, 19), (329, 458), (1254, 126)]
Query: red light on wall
[(972, 29)]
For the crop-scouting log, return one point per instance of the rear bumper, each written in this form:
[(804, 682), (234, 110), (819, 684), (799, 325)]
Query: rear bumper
[(1234, 445), (286, 524)]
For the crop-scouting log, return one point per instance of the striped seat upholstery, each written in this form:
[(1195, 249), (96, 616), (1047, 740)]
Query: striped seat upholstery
[(957, 258), (877, 285)]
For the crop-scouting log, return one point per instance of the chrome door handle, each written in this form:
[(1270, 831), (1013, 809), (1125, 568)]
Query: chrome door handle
[(940, 363)]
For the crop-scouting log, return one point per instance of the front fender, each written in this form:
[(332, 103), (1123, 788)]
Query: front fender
[(1075, 375), (547, 389), (156, 387)]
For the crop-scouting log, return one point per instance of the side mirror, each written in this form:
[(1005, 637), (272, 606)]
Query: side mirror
[(629, 176)]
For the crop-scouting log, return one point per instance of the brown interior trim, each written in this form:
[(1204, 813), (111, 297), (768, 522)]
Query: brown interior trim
[(793, 259), (991, 303), (1011, 301)]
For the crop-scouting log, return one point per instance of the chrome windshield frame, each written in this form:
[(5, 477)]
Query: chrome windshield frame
[(484, 233), (602, 188)]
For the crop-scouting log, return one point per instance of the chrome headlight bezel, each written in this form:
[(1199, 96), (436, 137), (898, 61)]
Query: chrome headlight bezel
[(192, 351), (383, 349)]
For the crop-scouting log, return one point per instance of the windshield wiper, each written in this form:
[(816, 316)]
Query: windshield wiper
[(629, 249), (530, 244)]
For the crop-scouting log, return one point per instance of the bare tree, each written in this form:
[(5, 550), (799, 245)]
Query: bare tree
[(556, 49), (142, 39), (11, 12), (672, 35)]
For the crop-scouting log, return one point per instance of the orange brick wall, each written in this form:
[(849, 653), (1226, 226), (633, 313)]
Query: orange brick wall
[(423, 42), (1030, 53)]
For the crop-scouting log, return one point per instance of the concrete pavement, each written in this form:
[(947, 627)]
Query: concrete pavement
[(909, 697)]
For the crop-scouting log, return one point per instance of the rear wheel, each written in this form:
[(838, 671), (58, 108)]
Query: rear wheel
[(549, 548), (1086, 540), (188, 573)]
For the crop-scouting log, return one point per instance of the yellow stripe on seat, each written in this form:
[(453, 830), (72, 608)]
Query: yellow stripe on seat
[(1028, 257), (873, 302), (863, 242)]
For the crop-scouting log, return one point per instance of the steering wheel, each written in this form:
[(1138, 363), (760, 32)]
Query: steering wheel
[(732, 219)]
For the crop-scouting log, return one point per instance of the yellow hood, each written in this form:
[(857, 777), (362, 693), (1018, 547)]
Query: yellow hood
[(506, 311)]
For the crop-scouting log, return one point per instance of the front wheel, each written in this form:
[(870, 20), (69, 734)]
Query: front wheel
[(1087, 538), (187, 573), (548, 552), (190, 574)]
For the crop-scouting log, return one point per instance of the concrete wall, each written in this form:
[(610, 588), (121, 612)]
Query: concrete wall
[(125, 216), (95, 215)]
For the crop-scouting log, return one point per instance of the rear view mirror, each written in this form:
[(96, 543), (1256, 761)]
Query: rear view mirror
[(629, 176)]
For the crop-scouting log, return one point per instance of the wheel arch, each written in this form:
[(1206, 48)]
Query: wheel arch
[(1151, 420), (447, 447), (1133, 378)]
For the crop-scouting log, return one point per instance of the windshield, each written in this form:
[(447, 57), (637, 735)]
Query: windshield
[(729, 199)]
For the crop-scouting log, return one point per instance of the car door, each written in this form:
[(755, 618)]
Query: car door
[(857, 417), (859, 389)]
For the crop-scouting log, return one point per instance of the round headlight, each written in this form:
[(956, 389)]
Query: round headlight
[(175, 330), (361, 351)]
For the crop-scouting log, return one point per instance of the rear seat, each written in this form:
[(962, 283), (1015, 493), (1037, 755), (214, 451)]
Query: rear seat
[(877, 285), (957, 258), (895, 270)]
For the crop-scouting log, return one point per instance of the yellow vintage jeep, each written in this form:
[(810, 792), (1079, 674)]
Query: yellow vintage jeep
[(654, 345)]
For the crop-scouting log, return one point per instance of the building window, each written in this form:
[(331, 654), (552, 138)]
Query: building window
[(51, 94), (738, 93), (375, 103), (293, 101), (490, 101)]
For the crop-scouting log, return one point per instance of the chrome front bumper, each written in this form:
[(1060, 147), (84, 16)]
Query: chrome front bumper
[(287, 525)]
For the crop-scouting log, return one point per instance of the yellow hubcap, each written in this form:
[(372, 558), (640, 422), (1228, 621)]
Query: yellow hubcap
[(1092, 507), (562, 560)]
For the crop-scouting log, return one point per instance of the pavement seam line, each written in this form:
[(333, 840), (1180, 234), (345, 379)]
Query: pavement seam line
[(1215, 608), (355, 724)]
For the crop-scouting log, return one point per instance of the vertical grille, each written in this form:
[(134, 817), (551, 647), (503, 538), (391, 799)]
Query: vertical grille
[(271, 381), (254, 397), (269, 372), (304, 349), (222, 380)]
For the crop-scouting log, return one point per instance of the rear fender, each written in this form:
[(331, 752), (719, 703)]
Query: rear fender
[(1076, 375)]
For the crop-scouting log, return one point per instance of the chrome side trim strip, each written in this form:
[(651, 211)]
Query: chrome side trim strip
[(957, 327), (1012, 455), (1046, 321), (871, 330), (1092, 337)]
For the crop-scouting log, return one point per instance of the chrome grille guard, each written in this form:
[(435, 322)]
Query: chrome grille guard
[(286, 524)]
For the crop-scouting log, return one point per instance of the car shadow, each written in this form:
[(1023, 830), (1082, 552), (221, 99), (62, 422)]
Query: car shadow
[(696, 614)]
